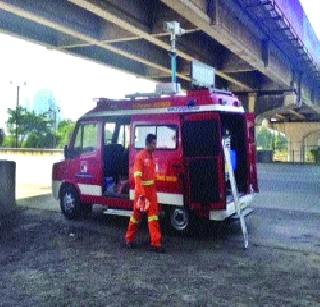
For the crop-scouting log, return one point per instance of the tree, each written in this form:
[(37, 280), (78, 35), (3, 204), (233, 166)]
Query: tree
[(281, 142), (9, 141), (29, 125), (268, 139), (39, 141), (65, 129), (264, 138)]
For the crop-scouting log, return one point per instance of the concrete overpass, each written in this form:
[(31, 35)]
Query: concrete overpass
[(251, 42), (256, 45)]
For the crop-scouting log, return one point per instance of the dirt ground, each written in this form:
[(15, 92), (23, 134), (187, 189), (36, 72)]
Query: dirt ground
[(46, 260)]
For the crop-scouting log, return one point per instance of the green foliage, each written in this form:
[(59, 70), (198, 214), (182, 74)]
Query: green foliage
[(9, 141), (268, 139), (315, 153), (65, 129), (29, 125), (40, 141), (264, 138), (281, 142)]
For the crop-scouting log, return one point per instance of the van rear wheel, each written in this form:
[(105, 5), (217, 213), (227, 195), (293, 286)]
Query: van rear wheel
[(70, 203), (180, 219)]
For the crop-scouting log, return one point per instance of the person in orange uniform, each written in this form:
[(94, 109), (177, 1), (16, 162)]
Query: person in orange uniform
[(145, 199)]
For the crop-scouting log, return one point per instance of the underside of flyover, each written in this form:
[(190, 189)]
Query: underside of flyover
[(250, 42)]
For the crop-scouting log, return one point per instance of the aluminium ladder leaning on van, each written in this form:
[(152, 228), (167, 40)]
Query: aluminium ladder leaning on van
[(227, 155)]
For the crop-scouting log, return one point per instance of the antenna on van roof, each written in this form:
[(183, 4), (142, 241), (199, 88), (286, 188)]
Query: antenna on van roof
[(174, 29)]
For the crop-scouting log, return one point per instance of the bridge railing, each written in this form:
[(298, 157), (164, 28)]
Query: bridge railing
[(296, 153)]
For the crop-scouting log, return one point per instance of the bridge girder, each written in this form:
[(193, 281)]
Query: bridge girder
[(230, 32), (128, 35), (110, 27), (153, 33)]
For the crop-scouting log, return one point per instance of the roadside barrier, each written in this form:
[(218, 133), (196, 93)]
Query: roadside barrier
[(7, 186)]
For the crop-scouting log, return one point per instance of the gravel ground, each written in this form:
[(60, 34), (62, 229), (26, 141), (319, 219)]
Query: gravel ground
[(48, 261)]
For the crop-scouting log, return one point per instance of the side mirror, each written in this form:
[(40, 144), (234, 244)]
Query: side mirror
[(66, 152)]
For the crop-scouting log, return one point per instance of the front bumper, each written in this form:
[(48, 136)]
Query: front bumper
[(56, 185)]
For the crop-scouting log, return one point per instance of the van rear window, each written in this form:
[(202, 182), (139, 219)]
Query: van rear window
[(166, 136)]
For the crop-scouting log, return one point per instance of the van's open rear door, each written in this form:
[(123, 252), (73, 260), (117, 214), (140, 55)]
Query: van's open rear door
[(203, 160), (251, 150)]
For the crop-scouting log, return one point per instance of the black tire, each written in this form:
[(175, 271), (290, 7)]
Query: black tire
[(180, 220), (70, 203)]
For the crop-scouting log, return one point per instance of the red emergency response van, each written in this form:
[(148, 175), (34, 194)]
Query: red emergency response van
[(190, 165)]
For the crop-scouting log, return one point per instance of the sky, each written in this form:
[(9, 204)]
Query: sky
[(73, 80), (312, 10)]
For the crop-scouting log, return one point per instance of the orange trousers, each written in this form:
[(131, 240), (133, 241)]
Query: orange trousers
[(153, 220)]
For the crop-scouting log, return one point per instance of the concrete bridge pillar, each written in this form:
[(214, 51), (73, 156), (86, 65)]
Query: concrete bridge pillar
[(252, 101), (295, 148), (297, 133), (290, 99)]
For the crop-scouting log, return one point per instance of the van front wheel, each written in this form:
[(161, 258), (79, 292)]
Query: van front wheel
[(70, 203)]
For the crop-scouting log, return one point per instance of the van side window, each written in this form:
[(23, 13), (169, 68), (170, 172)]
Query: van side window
[(141, 133), (86, 139), (109, 129), (124, 136), (166, 136)]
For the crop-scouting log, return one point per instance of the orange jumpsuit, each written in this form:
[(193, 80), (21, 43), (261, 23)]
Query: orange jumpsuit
[(144, 175)]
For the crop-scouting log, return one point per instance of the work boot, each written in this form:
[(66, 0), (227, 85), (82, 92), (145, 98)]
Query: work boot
[(158, 249), (129, 245)]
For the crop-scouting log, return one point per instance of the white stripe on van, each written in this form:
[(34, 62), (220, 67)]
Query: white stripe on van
[(86, 189), (96, 190), (166, 198), (89, 189)]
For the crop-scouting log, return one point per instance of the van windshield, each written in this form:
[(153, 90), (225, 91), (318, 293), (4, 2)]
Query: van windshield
[(86, 138)]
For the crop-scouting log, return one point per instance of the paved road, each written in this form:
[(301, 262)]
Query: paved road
[(288, 207), (289, 187), (46, 260)]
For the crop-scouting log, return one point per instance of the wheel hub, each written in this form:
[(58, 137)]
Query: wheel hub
[(69, 202), (180, 219)]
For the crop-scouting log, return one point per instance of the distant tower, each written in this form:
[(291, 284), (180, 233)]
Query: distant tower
[(45, 102)]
